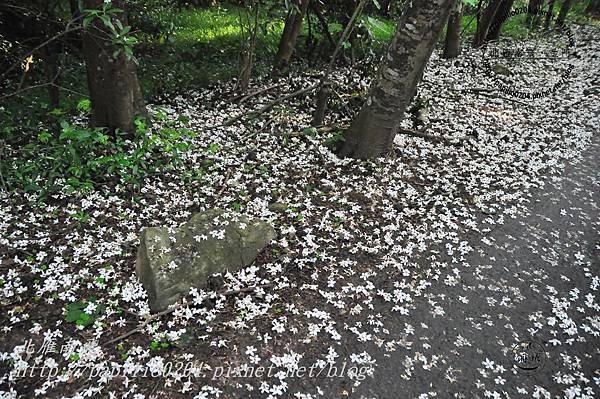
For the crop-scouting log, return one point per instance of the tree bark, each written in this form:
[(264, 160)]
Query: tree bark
[(52, 72), (485, 21), (562, 14), (452, 43), (499, 20), (246, 64), (549, 14), (289, 37), (593, 8), (112, 78), (533, 13), (321, 108), (372, 132)]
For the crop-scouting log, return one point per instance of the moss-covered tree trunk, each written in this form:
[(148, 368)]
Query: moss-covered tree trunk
[(452, 43), (112, 78), (289, 37), (372, 132)]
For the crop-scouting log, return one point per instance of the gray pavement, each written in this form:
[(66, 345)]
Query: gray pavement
[(524, 314)]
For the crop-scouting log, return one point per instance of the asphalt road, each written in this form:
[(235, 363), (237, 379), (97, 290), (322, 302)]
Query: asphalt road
[(523, 320)]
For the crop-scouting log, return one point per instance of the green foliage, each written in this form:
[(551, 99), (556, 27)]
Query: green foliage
[(334, 141), (379, 29), (75, 313), (118, 33), (310, 131), (157, 345), (79, 158)]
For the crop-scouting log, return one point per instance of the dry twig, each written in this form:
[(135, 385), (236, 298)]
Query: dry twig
[(155, 316)]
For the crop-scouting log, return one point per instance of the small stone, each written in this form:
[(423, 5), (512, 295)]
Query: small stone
[(502, 70), (169, 264), (186, 339), (278, 207)]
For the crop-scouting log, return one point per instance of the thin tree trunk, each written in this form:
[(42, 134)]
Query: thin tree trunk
[(549, 14), (52, 72), (593, 8), (248, 46), (533, 12), (484, 22), (74, 6), (324, 24), (321, 108), (452, 43), (562, 15), (246, 64), (372, 132), (499, 20), (112, 78), (289, 37), (385, 7)]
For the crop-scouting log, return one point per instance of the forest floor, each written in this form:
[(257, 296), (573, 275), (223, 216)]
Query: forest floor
[(420, 273)]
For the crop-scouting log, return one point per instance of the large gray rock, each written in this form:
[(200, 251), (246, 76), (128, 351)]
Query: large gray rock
[(171, 261)]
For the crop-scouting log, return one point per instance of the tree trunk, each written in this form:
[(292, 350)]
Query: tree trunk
[(452, 43), (322, 102), (562, 15), (593, 8), (287, 43), (52, 73), (484, 22), (372, 132), (112, 78), (74, 7), (246, 64), (549, 14), (499, 20), (533, 13), (385, 7)]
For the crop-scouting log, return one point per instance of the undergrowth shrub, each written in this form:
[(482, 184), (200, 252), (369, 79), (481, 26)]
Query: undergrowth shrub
[(78, 158)]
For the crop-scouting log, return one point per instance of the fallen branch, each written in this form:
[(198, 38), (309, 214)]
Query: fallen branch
[(155, 316), (259, 131), (256, 93), (269, 105), (19, 250), (67, 30), (222, 190)]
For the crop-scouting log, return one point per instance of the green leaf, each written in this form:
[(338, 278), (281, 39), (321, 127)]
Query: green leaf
[(213, 148), (84, 105), (310, 131), (73, 316), (44, 137)]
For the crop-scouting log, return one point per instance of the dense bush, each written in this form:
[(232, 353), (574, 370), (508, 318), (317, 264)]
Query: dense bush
[(79, 158)]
